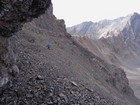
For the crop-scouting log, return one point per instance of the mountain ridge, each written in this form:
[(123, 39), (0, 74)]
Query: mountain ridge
[(103, 24), (117, 43)]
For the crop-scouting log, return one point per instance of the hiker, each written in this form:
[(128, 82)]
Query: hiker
[(49, 46)]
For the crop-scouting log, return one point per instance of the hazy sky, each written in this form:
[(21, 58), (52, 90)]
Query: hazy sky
[(77, 11)]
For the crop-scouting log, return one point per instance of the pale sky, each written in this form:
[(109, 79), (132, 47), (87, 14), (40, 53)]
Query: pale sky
[(77, 11)]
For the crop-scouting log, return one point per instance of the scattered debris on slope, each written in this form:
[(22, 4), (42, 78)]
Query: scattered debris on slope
[(67, 74), (13, 14)]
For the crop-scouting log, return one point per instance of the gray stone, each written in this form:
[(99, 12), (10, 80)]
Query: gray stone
[(14, 70), (3, 81), (63, 96), (73, 83), (39, 77)]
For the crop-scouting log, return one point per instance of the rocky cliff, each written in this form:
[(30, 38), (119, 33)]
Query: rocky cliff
[(66, 74), (13, 14)]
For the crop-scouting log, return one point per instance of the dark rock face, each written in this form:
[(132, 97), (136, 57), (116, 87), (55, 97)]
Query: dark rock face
[(13, 13)]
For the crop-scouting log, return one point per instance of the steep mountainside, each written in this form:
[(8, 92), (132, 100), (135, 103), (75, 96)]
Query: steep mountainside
[(117, 42), (66, 74)]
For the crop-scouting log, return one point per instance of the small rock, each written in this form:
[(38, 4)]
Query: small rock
[(72, 92), (14, 70), (39, 77), (50, 103), (3, 81), (90, 90), (29, 95), (98, 97), (73, 83), (63, 96), (44, 104)]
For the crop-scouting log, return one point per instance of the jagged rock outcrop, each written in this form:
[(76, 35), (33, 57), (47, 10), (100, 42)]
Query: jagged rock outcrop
[(13, 14)]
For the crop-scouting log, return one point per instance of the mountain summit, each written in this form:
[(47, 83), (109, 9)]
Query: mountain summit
[(104, 27)]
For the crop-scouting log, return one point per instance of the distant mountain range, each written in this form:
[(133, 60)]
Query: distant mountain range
[(115, 41)]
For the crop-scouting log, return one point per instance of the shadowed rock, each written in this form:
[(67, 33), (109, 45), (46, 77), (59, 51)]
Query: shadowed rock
[(13, 13)]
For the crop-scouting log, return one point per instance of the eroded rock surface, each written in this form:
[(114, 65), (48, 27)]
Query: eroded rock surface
[(13, 14)]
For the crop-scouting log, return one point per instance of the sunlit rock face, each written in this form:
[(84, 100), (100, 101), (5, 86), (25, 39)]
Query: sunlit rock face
[(13, 13)]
